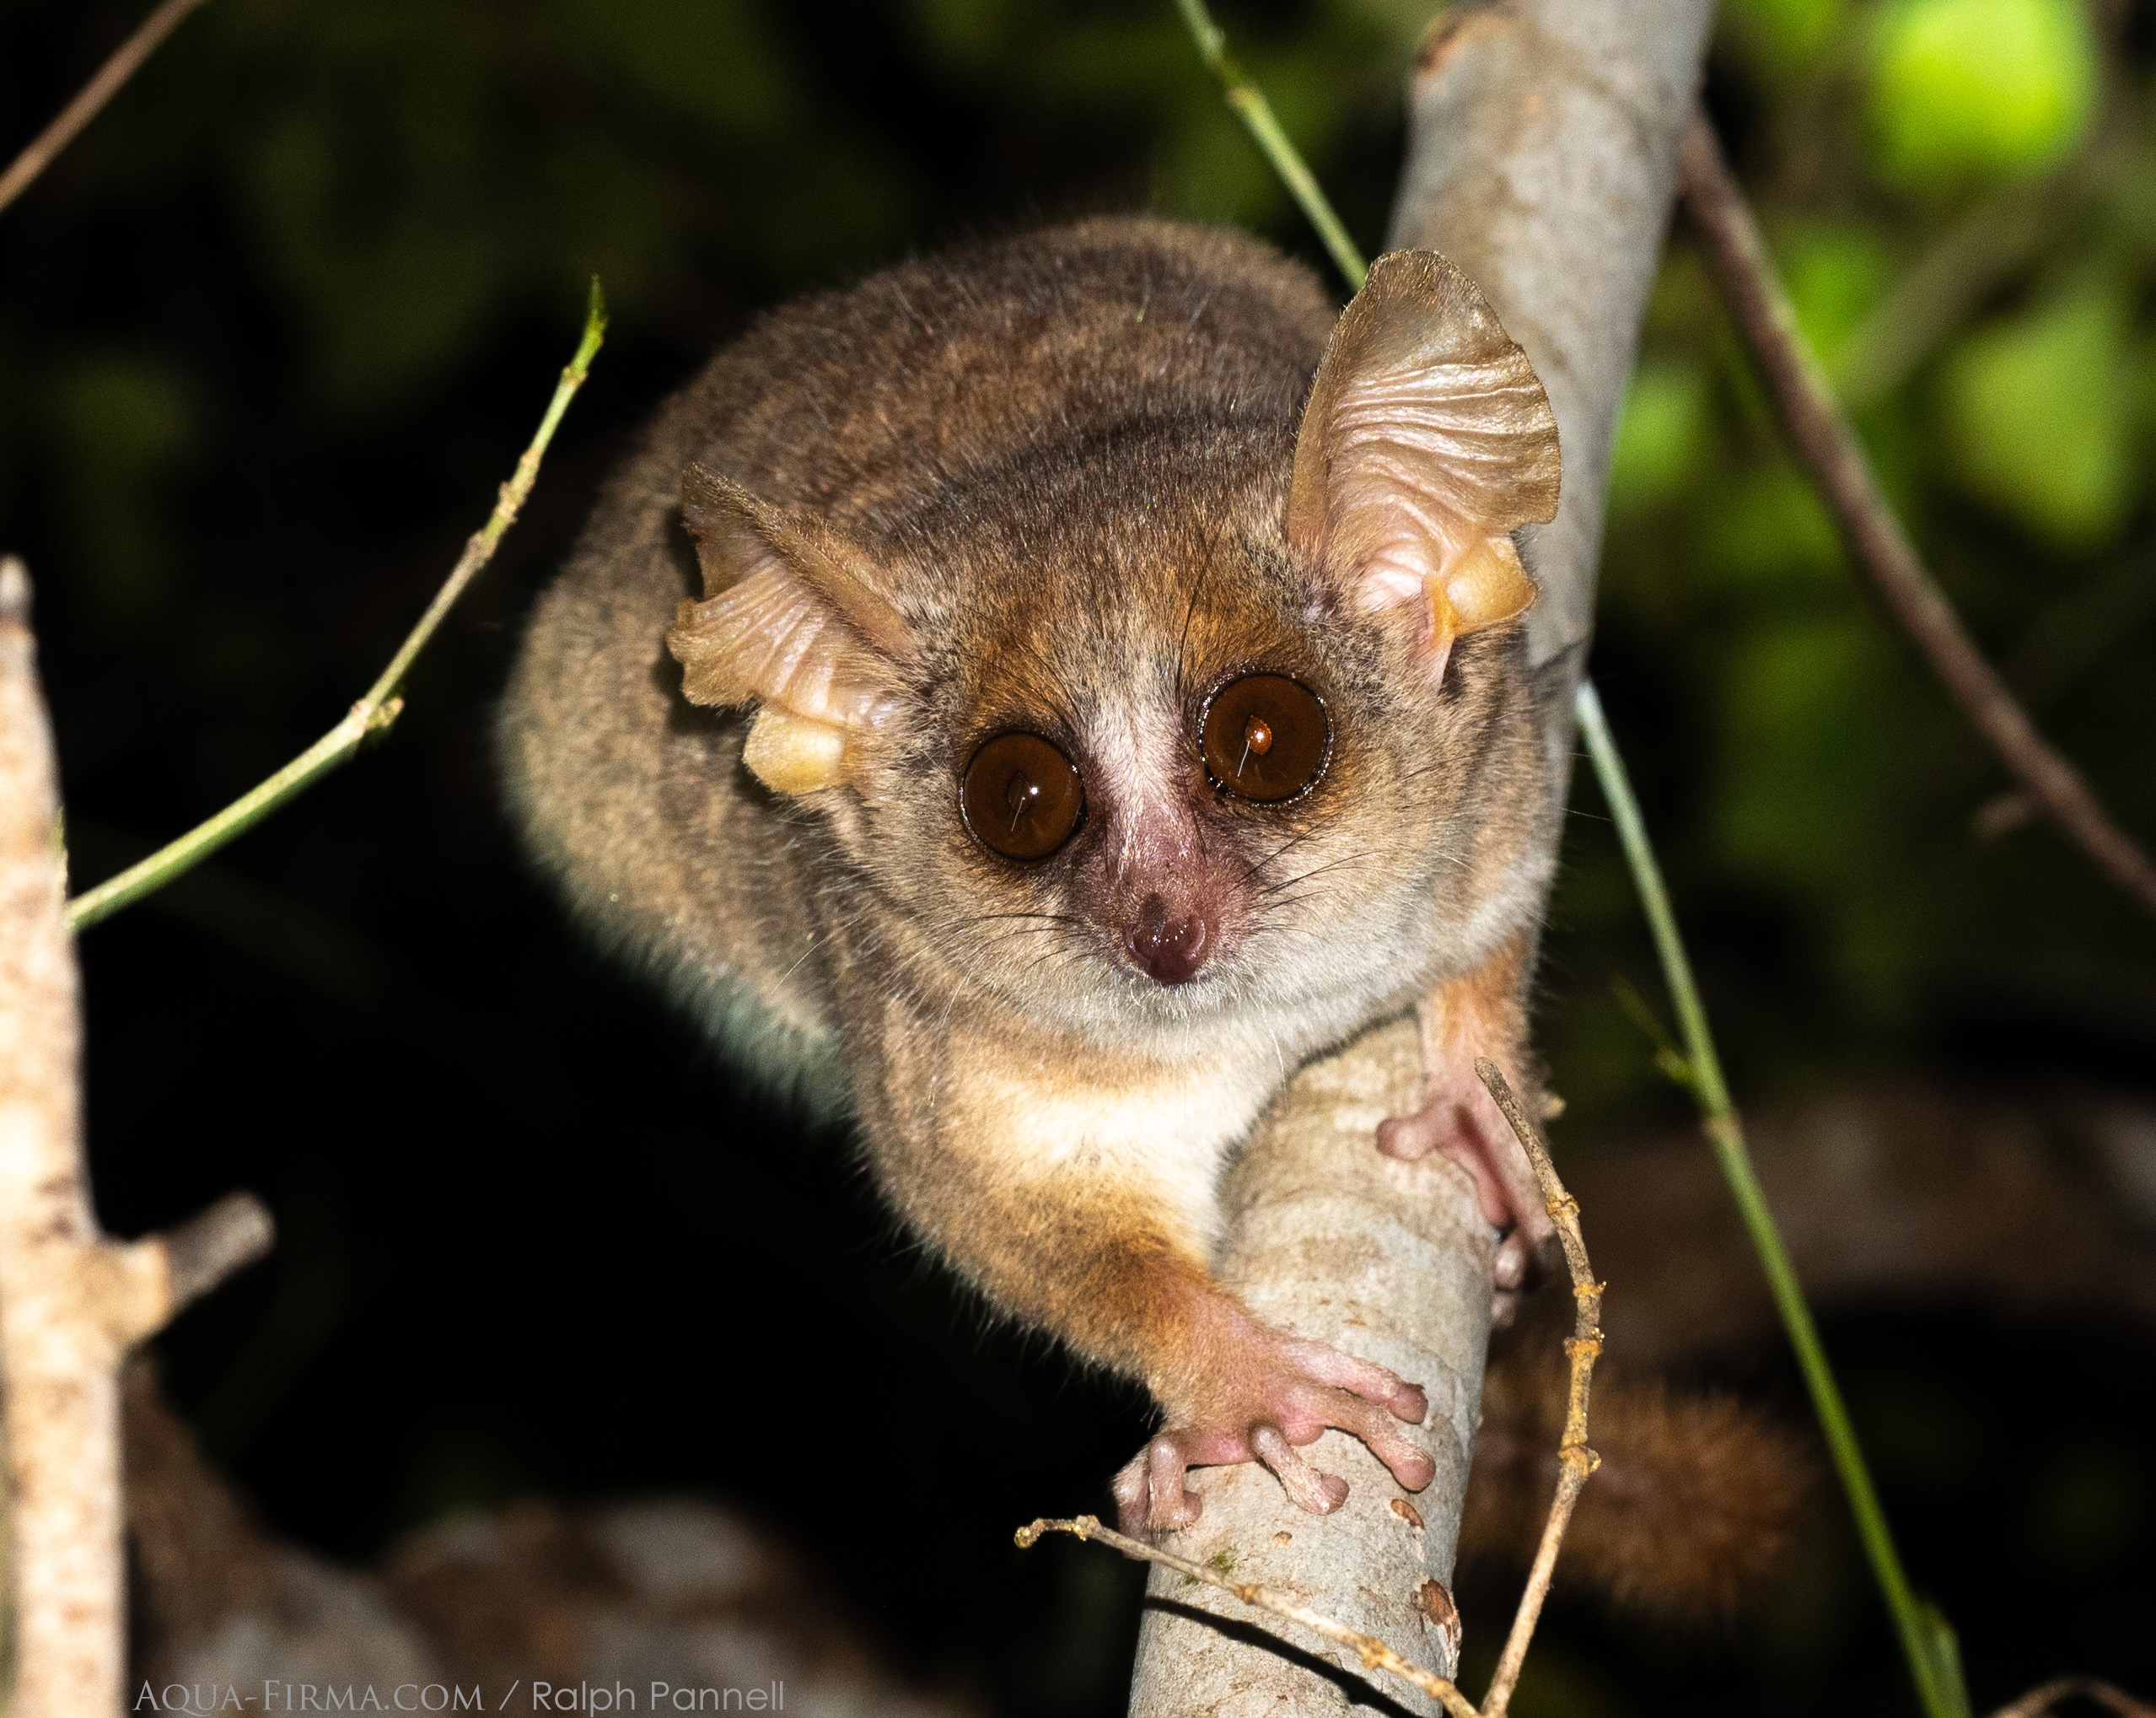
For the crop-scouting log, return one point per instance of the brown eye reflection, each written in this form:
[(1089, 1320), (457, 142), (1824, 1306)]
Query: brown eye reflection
[(1264, 737), (1021, 796)]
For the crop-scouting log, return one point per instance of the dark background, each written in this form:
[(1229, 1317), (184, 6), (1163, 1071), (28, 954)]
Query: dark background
[(273, 329)]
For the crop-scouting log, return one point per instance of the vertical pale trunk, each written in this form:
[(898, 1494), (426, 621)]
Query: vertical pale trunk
[(72, 1301), (61, 1377), (1542, 157)]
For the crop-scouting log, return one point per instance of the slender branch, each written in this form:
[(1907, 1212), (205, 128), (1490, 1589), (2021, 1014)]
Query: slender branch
[(383, 701), (1582, 1349), (1924, 1641), (210, 1245), (1827, 446), (1373, 1652), (93, 95), (1257, 117), (2041, 1700)]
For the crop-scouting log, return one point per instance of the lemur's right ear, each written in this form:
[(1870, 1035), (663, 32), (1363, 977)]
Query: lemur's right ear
[(793, 616), (1427, 441)]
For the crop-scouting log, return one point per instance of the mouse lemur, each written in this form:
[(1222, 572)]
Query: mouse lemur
[(1047, 693)]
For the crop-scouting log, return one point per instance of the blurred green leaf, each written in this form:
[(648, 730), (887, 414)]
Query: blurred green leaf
[(2089, 1505), (1815, 732), (2038, 410), (1802, 704), (123, 423), (969, 34), (1659, 436), (365, 187), (1124, 62), (1210, 170), (714, 63), (1963, 90), (1789, 36), (1403, 22), (1766, 528), (1835, 274)]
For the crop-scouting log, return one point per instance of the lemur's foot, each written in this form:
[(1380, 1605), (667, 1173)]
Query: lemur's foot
[(1459, 1120), (1264, 1395)]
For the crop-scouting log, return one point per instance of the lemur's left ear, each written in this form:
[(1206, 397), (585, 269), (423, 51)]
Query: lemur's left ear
[(1427, 441), (793, 617)]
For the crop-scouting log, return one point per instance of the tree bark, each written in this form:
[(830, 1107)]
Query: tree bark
[(1542, 157), (71, 1300), (1334, 1241)]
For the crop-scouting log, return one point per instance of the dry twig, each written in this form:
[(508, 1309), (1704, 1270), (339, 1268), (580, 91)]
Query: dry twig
[(1575, 1461), (1827, 446), (2041, 1700), (73, 1301), (93, 95), (1373, 1652)]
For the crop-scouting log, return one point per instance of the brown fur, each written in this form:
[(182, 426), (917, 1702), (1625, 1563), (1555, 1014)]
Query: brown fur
[(1045, 484), (1690, 1515)]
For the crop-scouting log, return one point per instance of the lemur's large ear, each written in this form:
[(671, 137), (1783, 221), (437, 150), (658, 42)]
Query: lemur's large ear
[(1427, 441), (791, 617)]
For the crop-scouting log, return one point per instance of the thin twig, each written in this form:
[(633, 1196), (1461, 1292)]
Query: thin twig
[(2041, 1700), (1576, 1461), (93, 95), (1373, 1652), (383, 701), (1258, 118), (1827, 446), (1926, 1640)]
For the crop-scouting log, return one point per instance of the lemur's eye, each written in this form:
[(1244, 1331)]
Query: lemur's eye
[(1021, 796), (1264, 737)]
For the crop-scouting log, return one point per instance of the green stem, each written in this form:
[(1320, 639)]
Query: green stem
[(1258, 118), (383, 701), (1924, 1639)]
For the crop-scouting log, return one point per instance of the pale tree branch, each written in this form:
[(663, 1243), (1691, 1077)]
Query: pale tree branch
[(1333, 1242), (73, 1301), (1827, 446), (71, 119), (1575, 1461)]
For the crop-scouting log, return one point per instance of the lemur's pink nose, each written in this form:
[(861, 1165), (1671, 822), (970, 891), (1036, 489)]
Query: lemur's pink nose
[(1169, 948)]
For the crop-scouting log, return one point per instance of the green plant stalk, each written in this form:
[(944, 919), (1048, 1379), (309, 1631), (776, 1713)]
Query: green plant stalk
[(1257, 116), (1921, 1640), (1927, 1642), (383, 701)]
